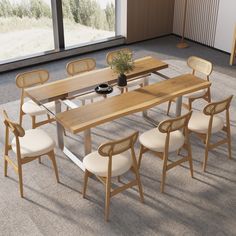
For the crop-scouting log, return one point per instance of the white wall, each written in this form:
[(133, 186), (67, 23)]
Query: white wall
[(210, 22), (121, 17), (225, 25)]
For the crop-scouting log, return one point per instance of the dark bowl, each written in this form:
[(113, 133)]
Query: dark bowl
[(103, 87)]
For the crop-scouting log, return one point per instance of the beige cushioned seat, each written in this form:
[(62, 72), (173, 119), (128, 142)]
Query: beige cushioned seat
[(31, 108), (199, 123), (155, 140), (196, 94), (35, 142), (98, 165)]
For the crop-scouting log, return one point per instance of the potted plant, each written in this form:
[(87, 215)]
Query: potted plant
[(122, 63)]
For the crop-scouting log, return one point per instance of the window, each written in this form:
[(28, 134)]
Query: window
[(25, 28), (53, 29), (87, 21)]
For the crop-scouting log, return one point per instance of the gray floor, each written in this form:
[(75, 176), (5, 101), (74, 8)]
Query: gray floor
[(163, 48), (204, 205)]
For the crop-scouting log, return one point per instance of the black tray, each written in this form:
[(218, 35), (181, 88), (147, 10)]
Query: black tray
[(109, 90)]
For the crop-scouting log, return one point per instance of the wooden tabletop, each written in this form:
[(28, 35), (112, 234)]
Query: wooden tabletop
[(63, 88), (93, 114)]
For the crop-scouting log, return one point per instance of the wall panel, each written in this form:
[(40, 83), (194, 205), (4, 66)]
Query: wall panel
[(201, 20), (148, 19)]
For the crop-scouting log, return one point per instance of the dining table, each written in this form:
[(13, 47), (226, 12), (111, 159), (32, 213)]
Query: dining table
[(83, 118)]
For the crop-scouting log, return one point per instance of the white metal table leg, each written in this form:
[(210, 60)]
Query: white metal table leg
[(87, 133), (60, 137)]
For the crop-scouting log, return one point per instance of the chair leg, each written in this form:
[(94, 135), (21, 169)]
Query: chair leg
[(140, 156), (118, 179), (229, 149), (20, 180), (229, 142), (209, 95), (168, 108), (206, 158), (86, 175), (33, 121), (21, 117), (163, 180), (108, 197), (54, 163), (189, 105), (190, 159), (163, 174), (39, 160), (139, 182), (5, 167), (178, 151), (190, 163)]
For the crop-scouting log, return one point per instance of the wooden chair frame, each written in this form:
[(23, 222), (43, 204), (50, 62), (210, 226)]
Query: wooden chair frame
[(233, 51), (109, 57), (18, 131), (23, 82), (89, 62), (168, 126), (108, 150), (207, 72), (212, 109)]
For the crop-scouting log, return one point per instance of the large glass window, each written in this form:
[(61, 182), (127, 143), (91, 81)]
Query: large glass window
[(87, 21), (25, 28), (28, 27)]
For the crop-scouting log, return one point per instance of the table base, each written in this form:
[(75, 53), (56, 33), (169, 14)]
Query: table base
[(87, 133)]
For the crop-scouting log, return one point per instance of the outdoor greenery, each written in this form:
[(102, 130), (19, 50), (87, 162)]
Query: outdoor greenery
[(85, 12), (122, 62), (33, 9)]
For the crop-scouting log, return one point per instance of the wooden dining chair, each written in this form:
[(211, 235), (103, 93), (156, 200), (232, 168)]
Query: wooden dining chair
[(28, 145), (207, 123), (170, 136), (202, 67), (139, 81), (109, 162), (81, 66), (233, 50), (27, 80)]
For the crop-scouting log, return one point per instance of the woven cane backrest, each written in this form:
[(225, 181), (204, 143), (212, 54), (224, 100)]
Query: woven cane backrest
[(31, 78), (112, 54), (217, 107), (119, 146), (200, 65), (14, 127), (80, 66), (178, 123)]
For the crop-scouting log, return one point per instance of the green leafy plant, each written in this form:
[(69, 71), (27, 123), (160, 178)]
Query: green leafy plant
[(122, 62)]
